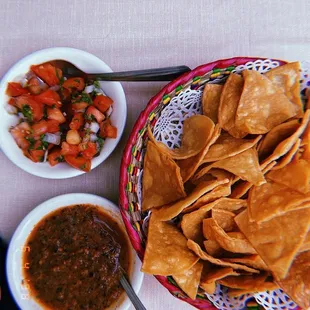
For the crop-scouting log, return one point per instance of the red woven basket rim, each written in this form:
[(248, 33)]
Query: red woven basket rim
[(154, 101)]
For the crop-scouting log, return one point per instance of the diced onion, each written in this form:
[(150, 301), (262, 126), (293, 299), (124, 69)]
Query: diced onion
[(45, 156), (52, 138), (94, 127), (93, 137), (24, 82), (21, 115), (88, 89), (109, 112), (55, 87), (11, 109), (86, 125), (86, 138)]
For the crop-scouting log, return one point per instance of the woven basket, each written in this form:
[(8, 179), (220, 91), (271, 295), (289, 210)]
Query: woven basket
[(132, 161)]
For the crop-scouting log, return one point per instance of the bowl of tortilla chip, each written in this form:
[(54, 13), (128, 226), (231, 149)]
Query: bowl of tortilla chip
[(215, 185)]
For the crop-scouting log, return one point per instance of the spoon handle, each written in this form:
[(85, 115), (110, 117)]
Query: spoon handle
[(158, 74), (131, 294)]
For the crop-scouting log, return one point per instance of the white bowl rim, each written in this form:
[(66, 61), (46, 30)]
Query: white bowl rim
[(31, 219), (69, 171)]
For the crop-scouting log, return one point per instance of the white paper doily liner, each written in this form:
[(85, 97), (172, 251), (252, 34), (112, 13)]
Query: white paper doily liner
[(168, 129)]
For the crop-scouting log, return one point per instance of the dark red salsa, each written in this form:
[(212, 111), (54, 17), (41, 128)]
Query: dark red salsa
[(75, 257)]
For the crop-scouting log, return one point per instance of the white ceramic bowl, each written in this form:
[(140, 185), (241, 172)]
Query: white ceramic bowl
[(14, 255), (86, 62)]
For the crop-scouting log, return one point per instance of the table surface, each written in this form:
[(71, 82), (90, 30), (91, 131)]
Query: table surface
[(137, 34)]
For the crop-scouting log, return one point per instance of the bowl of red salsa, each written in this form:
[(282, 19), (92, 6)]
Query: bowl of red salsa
[(69, 253), (56, 126)]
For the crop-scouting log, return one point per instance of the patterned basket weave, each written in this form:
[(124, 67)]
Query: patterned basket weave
[(132, 162)]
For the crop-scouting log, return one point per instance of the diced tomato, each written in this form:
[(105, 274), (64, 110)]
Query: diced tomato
[(74, 83), (34, 86), (92, 111), (107, 130), (12, 101), (90, 151), (102, 103), (52, 126), (54, 157), (56, 115), (49, 97), (69, 149), (40, 128), (30, 108), (15, 89), (78, 106), (36, 153), (78, 162), (77, 121), (48, 73), (19, 133)]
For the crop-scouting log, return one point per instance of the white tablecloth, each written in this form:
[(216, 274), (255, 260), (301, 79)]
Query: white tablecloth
[(136, 34)]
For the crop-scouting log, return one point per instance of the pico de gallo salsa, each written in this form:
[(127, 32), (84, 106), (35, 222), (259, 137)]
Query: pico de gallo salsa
[(60, 119)]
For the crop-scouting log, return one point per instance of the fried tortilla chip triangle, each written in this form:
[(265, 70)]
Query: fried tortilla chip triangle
[(295, 175), (216, 261), (297, 282), (262, 105), (227, 146), (189, 280), (166, 250), (211, 100), (287, 78), (212, 231), (197, 131), (278, 240), (162, 182), (248, 171), (273, 199), (253, 261), (229, 103), (167, 213), (225, 219)]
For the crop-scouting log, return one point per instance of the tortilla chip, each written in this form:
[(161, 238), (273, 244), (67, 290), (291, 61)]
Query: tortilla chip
[(204, 256), (191, 223), (211, 230), (243, 187), (229, 103), (275, 136), (189, 280), (225, 219), (190, 165), (249, 170), (254, 261), (227, 146), (213, 248), (266, 286), (287, 158), (218, 192), (278, 240), (167, 213), (211, 100), (249, 282), (284, 146), (295, 175), (297, 282), (231, 204), (273, 199), (262, 104), (209, 277), (162, 182), (306, 244), (287, 78), (197, 130), (166, 250)]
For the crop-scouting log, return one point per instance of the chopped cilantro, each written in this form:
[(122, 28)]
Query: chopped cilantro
[(45, 112), (101, 143), (60, 159), (77, 80), (32, 141), (83, 97), (97, 84), (83, 167), (89, 117), (27, 112)]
